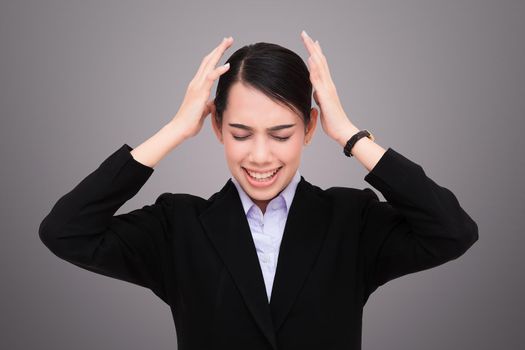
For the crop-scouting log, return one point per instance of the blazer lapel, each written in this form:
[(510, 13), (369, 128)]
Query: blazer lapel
[(303, 237), (228, 229)]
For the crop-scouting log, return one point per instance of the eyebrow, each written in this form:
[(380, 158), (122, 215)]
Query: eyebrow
[(273, 128)]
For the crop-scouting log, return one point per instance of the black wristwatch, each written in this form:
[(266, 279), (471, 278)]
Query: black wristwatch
[(350, 143)]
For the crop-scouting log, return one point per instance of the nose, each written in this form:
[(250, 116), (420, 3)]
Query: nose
[(261, 152)]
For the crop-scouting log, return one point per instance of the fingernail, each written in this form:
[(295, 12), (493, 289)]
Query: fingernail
[(305, 33)]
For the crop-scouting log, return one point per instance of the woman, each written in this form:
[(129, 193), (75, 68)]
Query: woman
[(270, 261)]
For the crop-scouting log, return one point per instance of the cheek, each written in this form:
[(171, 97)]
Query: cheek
[(234, 151), (290, 151)]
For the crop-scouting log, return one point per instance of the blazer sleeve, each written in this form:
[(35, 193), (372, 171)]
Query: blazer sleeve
[(421, 225), (83, 230)]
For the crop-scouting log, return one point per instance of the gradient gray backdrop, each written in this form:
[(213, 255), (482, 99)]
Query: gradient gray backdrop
[(442, 82)]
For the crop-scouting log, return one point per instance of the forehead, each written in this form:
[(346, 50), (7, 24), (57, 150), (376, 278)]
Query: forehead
[(250, 106)]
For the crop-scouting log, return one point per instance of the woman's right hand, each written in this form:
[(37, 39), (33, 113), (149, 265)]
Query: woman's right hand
[(195, 107)]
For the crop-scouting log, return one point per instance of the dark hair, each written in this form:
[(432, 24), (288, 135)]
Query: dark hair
[(274, 70)]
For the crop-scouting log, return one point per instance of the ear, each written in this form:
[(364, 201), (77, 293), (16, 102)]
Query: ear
[(310, 128), (216, 128)]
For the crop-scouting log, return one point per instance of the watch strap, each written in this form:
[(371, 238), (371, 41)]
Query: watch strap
[(351, 142)]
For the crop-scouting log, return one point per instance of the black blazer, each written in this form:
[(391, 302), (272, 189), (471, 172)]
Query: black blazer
[(198, 256)]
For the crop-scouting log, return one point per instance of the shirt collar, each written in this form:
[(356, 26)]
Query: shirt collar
[(287, 193)]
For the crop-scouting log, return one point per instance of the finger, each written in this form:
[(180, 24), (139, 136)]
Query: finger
[(217, 53), (213, 75), (313, 47), (316, 60), (205, 61), (206, 66), (212, 52), (318, 51), (319, 59), (321, 54), (318, 46), (318, 70), (308, 42), (323, 58)]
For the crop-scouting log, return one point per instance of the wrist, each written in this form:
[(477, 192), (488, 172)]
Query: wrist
[(177, 130), (346, 134)]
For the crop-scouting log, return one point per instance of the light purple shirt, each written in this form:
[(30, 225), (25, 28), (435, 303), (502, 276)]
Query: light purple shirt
[(267, 230)]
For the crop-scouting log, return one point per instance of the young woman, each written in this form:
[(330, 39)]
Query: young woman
[(270, 261)]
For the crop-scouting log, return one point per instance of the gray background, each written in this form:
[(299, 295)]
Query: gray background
[(442, 82)]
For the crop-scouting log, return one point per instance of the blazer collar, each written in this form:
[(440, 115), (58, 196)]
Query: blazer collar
[(226, 225)]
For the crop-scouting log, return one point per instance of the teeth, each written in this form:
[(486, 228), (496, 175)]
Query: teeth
[(262, 176)]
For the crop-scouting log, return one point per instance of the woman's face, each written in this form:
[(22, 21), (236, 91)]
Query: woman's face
[(251, 145)]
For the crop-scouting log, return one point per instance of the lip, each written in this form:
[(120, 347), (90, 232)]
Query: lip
[(259, 184), (263, 171)]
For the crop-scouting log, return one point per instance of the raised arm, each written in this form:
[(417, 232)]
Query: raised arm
[(421, 225), (135, 247), (82, 229)]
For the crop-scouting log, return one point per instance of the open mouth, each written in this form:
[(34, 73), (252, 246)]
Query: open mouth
[(264, 177)]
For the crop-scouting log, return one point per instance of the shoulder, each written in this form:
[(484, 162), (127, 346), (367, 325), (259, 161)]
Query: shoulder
[(345, 194), (344, 198), (181, 201)]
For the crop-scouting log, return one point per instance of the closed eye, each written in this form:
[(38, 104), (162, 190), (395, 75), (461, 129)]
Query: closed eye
[(240, 138)]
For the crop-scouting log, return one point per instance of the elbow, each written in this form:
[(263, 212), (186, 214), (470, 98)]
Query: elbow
[(68, 243), (45, 233), (467, 235), (48, 235)]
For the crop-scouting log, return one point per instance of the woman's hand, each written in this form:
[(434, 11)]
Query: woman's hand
[(334, 121), (195, 106)]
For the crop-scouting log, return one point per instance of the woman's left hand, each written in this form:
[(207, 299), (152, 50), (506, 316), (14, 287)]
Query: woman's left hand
[(334, 120)]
